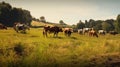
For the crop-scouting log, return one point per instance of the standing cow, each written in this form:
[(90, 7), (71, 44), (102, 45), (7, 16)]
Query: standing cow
[(101, 32), (86, 30), (20, 27), (68, 31), (113, 32), (93, 33), (80, 31), (51, 29)]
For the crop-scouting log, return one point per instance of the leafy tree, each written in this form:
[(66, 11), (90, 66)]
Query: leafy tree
[(5, 13), (86, 24), (117, 24), (74, 26), (98, 25), (21, 15), (80, 25), (91, 23), (42, 19), (111, 22), (106, 26), (9, 15), (62, 22)]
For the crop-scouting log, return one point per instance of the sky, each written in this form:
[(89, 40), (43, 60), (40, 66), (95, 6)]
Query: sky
[(70, 11)]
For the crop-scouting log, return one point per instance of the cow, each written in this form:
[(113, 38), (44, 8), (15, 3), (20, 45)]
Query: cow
[(113, 32), (101, 32), (3, 26), (68, 31), (86, 30), (93, 33), (20, 27), (52, 29), (80, 31)]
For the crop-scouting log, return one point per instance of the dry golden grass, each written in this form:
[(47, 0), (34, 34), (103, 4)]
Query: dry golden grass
[(38, 51)]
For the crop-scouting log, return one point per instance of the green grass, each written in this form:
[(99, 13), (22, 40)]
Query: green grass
[(38, 51)]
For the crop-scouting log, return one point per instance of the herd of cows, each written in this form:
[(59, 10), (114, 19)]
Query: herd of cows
[(18, 27), (68, 31)]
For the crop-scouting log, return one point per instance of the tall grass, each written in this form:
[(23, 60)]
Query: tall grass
[(39, 51)]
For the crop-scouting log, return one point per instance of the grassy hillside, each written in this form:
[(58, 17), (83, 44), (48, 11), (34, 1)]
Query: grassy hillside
[(39, 24), (34, 50), (36, 24)]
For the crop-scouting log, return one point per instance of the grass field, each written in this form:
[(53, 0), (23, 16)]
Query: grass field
[(34, 50)]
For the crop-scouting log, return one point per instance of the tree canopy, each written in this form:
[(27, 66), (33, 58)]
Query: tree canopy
[(107, 25), (117, 24), (9, 15), (42, 19)]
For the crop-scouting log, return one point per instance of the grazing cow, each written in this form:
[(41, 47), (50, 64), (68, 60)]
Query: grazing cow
[(20, 27), (68, 31), (80, 31), (3, 27), (93, 33), (51, 29), (101, 32), (113, 32), (86, 30)]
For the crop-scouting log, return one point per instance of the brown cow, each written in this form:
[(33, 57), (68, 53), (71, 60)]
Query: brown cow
[(52, 29), (93, 33), (113, 32), (68, 31), (3, 27)]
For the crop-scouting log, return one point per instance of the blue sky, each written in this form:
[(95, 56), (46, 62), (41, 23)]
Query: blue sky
[(70, 11)]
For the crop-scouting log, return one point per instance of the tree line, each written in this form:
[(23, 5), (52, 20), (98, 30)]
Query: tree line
[(107, 25), (9, 15)]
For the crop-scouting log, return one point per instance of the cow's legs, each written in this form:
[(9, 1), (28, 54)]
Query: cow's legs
[(24, 31), (45, 33), (55, 34)]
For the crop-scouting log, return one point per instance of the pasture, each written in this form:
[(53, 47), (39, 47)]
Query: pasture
[(34, 50)]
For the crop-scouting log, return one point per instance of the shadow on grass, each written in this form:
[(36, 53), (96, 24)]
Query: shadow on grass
[(58, 37), (73, 38)]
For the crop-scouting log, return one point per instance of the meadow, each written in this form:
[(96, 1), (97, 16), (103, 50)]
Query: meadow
[(34, 50)]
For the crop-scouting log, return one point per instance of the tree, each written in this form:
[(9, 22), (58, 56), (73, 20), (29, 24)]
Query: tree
[(80, 25), (86, 24), (21, 15), (106, 26), (42, 19), (62, 22), (117, 24), (98, 25), (9, 15), (73, 26), (5, 13), (111, 22), (91, 23)]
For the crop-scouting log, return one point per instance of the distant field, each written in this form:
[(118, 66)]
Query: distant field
[(39, 24), (34, 50)]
